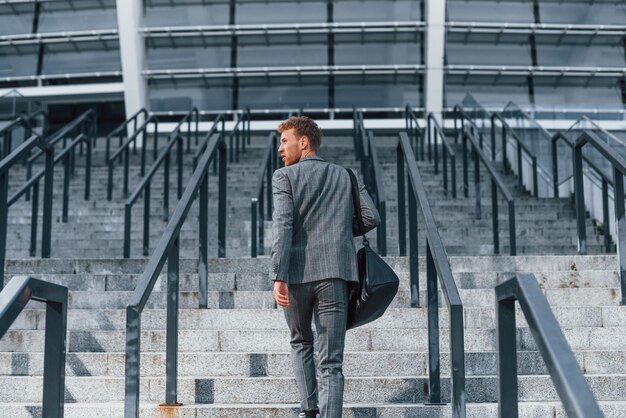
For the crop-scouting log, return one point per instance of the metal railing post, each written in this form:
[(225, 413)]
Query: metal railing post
[(512, 237), (54, 358), (221, 217), (127, 226), (555, 166), (88, 169), (520, 180), (171, 359), (453, 172), (494, 217), (413, 250), (203, 221), (146, 220), (465, 169), (579, 196), (132, 360), (620, 217), (253, 227), (46, 228), (535, 178), (505, 160), (179, 158), (166, 186), (401, 203), (457, 361), (478, 206), (34, 211), (66, 188), (507, 359), (4, 195), (434, 379), (605, 215), (126, 171)]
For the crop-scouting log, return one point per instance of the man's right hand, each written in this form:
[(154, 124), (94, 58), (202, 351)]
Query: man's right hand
[(281, 293)]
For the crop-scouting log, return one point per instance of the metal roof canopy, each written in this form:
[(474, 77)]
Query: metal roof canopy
[(543, 76), (554, 34), (318, 77), (78, 41), (283, 34), (14, 6), (60, 77), (277, 71)]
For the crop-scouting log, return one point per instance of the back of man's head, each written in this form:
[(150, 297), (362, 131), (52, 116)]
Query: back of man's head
[(303, 126)]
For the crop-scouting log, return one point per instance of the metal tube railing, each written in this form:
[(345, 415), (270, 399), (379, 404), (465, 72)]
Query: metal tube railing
[(618, 165), (521, 147), (64, 156), (366, 153), (436, 131), (569, 382), (260, 203), (416, 134), (244, 131), (9, 161), (174, 139), (437, 269), (123, 151), (606, 182), (168, 250), (121, 131), (13, 299), (496, 183)]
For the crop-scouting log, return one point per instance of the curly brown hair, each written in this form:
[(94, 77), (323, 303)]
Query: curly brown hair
[(304, 126)]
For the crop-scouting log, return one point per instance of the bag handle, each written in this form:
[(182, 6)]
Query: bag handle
[(356, 198)]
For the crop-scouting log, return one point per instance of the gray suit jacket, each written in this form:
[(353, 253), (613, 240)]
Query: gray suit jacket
[(312, 222)]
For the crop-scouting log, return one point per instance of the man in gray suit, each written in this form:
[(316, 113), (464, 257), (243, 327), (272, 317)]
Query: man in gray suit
[(313, 260)]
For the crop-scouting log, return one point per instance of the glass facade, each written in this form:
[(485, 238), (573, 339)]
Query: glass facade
[(76, 39), (287, 54), (545, 53)]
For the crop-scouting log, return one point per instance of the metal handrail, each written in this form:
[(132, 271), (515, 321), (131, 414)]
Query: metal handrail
[(569, 382), (66, 155), (606, 182), (415, 133), (124, 150), (87, 120), (13, 300), (220, 118), (437, 267), (121, 131), (168, 250), (619, 170), (367, 154), (9, 161), (496, 183), (269, 164), (521, 146), (164, 157), (244, 120), (448, 152), (23, 121)]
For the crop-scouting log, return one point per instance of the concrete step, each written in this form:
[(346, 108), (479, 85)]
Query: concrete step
[(356, 364), (282, 390), (611, 409)]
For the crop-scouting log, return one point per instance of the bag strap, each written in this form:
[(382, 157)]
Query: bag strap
[(356, 199)]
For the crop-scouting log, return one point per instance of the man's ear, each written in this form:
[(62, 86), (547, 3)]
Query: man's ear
[(304, 142)]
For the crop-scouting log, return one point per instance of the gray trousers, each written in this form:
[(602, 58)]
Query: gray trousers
[(326, 302)]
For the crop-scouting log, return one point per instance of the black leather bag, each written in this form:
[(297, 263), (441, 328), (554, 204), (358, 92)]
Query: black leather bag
[(378, 283)]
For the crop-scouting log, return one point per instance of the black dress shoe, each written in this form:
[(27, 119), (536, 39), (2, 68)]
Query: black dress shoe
[(313, 413)]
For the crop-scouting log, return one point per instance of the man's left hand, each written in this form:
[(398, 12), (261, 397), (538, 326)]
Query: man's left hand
[(281, 293)]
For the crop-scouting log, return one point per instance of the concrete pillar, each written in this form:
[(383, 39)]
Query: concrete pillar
[(133, 54), (435, 48)]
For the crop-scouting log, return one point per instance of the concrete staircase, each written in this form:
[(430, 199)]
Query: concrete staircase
[(233, 357)]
